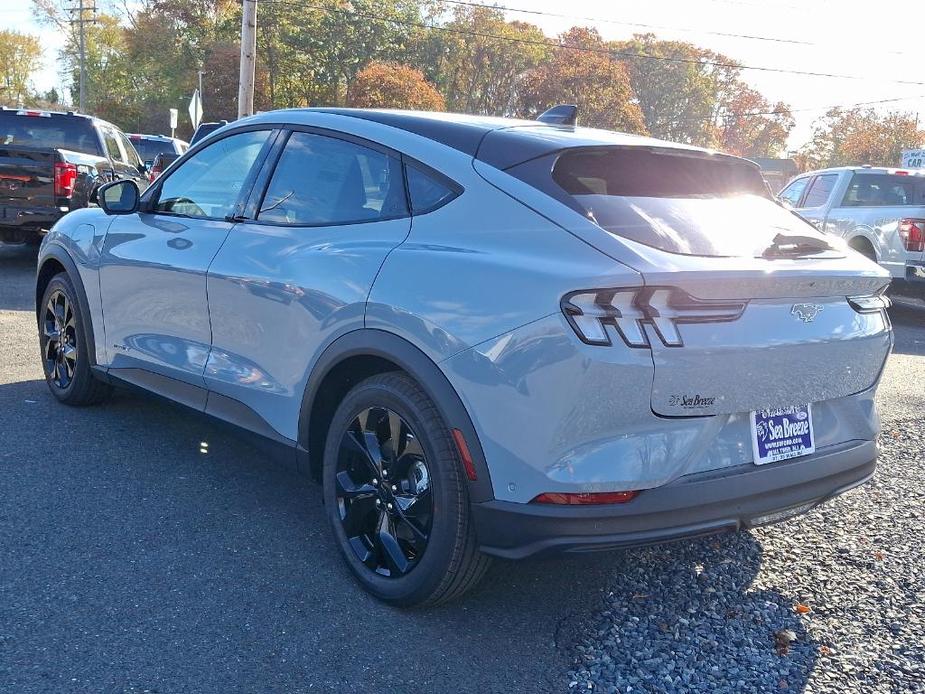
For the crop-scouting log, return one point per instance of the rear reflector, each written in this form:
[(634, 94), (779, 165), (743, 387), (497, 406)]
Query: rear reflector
[(912, 232), (464, 454), (585, 498), (65, 178)]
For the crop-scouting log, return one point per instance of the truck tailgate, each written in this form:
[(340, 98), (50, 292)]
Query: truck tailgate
[(27, 178)]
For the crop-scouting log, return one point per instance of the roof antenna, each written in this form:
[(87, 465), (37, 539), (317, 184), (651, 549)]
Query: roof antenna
[(563, 114)]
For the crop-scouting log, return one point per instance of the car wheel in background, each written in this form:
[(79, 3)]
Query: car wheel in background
[(63, 341), (396, 497)]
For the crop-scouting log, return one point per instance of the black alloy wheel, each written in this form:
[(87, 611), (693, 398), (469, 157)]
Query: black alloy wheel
[(59, 328), (66, 356), (396, 495), (383, 492)]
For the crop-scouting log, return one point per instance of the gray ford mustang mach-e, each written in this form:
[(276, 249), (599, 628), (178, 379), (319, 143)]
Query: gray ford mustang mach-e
[(486, 337)]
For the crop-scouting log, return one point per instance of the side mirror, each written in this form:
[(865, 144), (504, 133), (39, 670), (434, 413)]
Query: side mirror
[(119, 197)]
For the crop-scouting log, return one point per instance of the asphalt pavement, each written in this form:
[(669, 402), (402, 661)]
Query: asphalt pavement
[(132, 561)]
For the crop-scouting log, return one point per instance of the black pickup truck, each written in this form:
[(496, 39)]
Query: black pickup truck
[(52, 163)]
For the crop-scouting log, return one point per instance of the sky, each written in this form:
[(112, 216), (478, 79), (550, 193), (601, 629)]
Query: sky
[(879, 46)]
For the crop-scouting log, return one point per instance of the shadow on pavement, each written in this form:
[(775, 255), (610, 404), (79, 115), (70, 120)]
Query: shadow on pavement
[(133, 561), (17, 274)]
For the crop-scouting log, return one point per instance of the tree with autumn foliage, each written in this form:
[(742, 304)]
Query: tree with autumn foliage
[(582, 72), (20, 59), (751, 126), (392, 85), (861, 136)]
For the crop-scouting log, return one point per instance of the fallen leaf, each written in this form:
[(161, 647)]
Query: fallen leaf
[(782, 640), (824, 650), (800, 608), (878, 555)]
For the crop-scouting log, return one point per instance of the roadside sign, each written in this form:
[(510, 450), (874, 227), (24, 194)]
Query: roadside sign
[(195, 109), (913, 159), (173, 121)]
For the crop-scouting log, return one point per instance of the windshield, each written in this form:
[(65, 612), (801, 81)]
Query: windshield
[(57, 131), (681, 202)]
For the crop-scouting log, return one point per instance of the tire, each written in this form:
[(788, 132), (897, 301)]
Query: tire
[(448, 562), (67, 369)]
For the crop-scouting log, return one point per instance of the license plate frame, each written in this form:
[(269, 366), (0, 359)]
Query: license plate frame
[(782, 433)]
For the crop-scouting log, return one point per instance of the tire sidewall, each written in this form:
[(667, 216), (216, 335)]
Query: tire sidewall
[(443, 468), (63, 284)]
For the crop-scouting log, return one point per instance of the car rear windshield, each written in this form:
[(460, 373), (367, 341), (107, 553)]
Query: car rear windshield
[(58, 131), (679, 201), (149, 148)]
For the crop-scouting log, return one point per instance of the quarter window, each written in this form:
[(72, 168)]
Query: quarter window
[(322, 180), (820, 190), (794, 191), (209, 183), (426, 191)]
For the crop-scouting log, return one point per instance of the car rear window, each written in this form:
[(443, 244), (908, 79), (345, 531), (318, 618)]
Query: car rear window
[(149, 148), (884, 190), (679, 201), (61, 132)]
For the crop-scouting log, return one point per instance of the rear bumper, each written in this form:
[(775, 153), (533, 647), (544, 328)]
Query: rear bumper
[(700, 504), (29, 217)]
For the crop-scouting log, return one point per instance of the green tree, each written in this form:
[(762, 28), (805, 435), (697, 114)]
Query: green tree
[(20, 58), (581, 72), (479, 58), (392, 85)]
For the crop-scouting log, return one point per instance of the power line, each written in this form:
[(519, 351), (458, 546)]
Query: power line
[(660, 27), (603, 51)]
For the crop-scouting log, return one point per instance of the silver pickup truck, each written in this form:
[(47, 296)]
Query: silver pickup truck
[(879, 211)]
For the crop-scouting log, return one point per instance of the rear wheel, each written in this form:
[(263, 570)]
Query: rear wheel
[(63, 341), (395, 496), (864, 247)]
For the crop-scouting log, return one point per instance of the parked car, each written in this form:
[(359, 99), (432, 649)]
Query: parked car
[(52, 163), (486, 337), (161, 162), (880, 212), (206, 129), (149, 146)]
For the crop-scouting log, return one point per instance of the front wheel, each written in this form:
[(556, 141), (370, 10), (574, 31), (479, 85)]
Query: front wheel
[(395, 495), (64, 345)]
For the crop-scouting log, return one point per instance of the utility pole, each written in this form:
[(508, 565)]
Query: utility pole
[(248, 58), (82, 21)]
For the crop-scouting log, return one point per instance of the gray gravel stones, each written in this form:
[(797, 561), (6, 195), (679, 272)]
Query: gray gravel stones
[(710, 615)]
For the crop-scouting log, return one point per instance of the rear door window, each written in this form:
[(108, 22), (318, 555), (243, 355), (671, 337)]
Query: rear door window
[(794, 192), (323, 180), (679, 201), (112, 146), (820, 190), (884, 190)]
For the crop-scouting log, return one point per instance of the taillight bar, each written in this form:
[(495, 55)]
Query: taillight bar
[(629, 310), (584, 498), (870, 304), (65, 179), (912, 232)]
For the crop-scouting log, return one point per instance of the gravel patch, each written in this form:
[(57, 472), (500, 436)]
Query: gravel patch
[(833, 601)]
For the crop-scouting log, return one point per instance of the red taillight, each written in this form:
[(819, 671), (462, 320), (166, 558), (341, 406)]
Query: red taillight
[(912, 232), (585, 498), (464, 454), (154, 173), (65, 178)]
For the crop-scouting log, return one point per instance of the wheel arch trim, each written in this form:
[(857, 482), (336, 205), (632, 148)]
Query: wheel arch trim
[(370, 342), (53, 251)]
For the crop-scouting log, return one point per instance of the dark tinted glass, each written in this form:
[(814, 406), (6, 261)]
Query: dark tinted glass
[(62, 132), (884, 190), (322, 180), (820, 190), (427, 192), (677, 202), (209, 183), (148, 148), (112, 145)]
